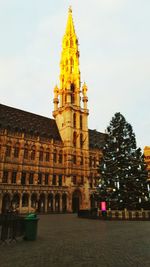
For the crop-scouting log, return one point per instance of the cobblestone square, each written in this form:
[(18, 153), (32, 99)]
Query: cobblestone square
[(65, 240)]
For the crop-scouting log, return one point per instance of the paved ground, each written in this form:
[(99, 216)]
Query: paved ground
[(66, 241)]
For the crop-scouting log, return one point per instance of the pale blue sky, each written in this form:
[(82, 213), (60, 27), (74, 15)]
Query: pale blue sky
[(114, 38)]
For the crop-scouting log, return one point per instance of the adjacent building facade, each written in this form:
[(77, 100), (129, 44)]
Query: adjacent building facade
[(147, 159), (50, 165)]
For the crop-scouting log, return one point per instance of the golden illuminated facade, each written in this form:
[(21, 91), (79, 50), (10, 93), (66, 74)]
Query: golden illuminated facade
[(147, 159), (50, 165)]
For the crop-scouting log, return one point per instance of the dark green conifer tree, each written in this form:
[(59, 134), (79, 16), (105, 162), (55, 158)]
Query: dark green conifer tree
[(123, 175)]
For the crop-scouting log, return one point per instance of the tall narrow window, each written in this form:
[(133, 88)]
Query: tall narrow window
[(81, 160), (40, 178), (74, 159), (31, 177), (26, 153), (71, 44), (16, 151), (46, 178), (47, 156), (8, 151), (81, 140), (74, 120), (54, 180), (74, 139), (5, 177), (33, 153), (81, 122), (13, 178), (41, 154), (72, 93), (60, 157), (23, 178), (60, 180)]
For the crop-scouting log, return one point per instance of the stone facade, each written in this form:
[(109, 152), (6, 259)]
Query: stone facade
[(50, 165)]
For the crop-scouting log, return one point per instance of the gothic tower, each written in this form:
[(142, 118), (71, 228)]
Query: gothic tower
[(70, 108)]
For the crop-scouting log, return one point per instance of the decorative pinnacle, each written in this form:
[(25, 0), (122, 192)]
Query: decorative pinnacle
[(84, 87), (70, 9)]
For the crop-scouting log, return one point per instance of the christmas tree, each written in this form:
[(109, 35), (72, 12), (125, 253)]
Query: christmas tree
[(123, 175)]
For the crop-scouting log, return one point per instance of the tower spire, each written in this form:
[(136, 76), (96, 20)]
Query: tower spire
[(69, 65), (70, 30)]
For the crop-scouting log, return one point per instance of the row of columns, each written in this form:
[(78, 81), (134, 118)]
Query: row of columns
[(29, 202)]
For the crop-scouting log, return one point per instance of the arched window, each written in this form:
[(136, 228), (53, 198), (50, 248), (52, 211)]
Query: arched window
[(74, 120), (16, 150), (57, 202), (25, 200), (15, 200), (33, 200), (81, 122), (47, 158), (50, 202), (74, 139), (26, 152), (64, 202), (33, 153)]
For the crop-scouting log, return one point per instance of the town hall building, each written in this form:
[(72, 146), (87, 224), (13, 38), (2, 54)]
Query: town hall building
[(51, 165)]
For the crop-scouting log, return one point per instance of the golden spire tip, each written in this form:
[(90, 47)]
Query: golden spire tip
[(70, 9)]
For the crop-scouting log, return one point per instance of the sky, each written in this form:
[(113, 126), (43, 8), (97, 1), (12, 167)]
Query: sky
[(114, 45)]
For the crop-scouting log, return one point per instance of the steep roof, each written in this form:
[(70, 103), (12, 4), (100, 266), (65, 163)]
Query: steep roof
[(96, 139), (22, 121), (18, 120)]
